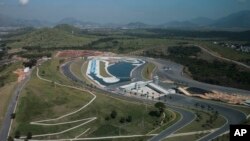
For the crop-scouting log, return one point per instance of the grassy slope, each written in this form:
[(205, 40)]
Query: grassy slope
[(50, 37), (148, 70), (103, 72), (224, 51), (76, 67), (51, 71), (42, 100)]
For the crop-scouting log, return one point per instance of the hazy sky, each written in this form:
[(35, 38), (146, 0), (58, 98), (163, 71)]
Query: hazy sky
[(121, 11)]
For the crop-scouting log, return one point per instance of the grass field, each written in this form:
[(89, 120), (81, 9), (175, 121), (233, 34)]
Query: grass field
[(103, 71), (224, 51), (52, 101), (76, 67), (7, 73), (5, 94), (198, 125), (148, 70), (51, 70)]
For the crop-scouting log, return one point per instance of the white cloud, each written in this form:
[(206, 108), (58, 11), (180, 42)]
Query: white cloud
[(23, 2)]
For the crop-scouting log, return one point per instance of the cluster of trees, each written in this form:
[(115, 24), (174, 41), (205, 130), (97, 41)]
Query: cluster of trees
[(182, 51), (3, 77), (158, 112), (36, 55), (170, 33), (30, 63), (113, 115)]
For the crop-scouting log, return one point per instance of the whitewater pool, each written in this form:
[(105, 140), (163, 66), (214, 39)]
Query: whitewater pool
[(121, 70)]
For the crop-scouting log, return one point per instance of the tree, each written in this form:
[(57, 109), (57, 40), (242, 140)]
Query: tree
[(113, 114), (12, 116), (10, 138), (29, 135), (17, 134), (43, 72), (129, 119), (122, 120), (160, 105), (107, 118)]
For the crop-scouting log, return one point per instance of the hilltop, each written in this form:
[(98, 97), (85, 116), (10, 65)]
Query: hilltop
[(59, 36)]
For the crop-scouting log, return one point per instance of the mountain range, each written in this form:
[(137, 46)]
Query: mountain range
[(239, 20)]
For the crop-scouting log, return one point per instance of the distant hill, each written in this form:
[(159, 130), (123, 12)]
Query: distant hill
[(239, 20), (78, 23), (201, 21), (235, 20), (68, 28), (137, 25), (49, 38), (178, 24)]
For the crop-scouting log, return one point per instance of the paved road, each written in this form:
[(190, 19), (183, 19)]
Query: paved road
[(14, 99), (186, 118)]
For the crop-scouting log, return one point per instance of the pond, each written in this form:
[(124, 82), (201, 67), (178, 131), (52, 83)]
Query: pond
[(121, 69)]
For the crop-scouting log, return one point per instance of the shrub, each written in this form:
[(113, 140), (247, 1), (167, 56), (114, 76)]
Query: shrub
[(113, 114)]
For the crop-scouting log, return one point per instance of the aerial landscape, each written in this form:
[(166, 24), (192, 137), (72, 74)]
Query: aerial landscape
[(124, 70)]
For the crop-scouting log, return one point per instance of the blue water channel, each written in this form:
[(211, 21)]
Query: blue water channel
[(120, 70)]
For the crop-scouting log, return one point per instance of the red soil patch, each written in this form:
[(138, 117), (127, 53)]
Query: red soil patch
[(79, 53)]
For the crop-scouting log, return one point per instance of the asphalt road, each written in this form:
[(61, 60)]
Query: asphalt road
[(186, 118), (14, 99)]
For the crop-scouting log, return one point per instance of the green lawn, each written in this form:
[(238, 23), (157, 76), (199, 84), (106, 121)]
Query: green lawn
[(51, 70), (148, 70)]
